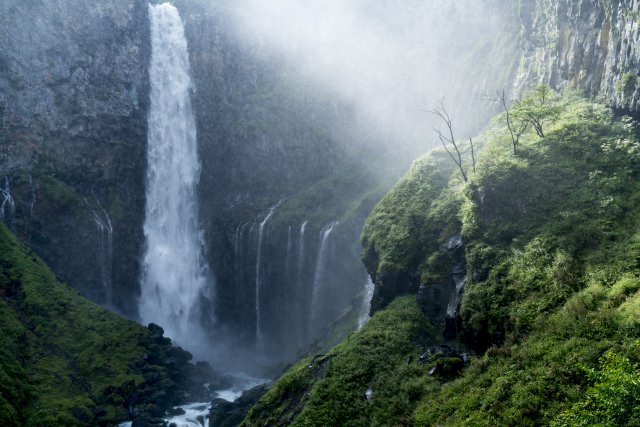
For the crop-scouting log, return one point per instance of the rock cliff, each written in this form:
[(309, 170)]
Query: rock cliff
[(73, 101), (588, 45)]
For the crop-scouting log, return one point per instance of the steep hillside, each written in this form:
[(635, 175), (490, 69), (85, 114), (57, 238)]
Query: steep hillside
[(65, 361), (549, 246)]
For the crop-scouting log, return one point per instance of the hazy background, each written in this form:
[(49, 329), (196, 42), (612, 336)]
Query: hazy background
[(390, 59)]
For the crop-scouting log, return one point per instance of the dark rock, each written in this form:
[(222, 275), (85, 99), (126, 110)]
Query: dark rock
[(443, 361), (99, 412), (156, 331), (81, 414), (175, 411), (230, 414)]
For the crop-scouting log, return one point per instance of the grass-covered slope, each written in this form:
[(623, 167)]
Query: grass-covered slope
[(552, 301), (331, 389), (67, 362)]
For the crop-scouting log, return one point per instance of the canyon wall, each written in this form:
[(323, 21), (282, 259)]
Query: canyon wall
[(73, 103)]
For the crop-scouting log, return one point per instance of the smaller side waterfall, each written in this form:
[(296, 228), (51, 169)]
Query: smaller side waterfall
[(366, 302), (105, 251), (321, 267), (272, 210), (301, 252), (8, 205), (32, 197)]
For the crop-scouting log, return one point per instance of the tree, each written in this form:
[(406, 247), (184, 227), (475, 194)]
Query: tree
[(516, 127), (449, 139), (538, 109)]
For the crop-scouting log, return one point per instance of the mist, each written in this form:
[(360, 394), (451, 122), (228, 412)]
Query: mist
[(370, 71), (389, 60)]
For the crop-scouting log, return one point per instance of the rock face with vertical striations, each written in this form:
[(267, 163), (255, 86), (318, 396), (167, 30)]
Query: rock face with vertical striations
[(587, 45), (73, 103)]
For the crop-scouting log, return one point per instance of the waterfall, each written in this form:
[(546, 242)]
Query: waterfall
[(105, 251), (301, 253), (452, 308), (321, 268), (174, 273), (237, 248), (32, 193), (258, 276), (366, 302), (8, 205)]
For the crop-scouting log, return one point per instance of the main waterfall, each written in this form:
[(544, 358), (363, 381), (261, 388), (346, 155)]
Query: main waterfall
[(174, 273)]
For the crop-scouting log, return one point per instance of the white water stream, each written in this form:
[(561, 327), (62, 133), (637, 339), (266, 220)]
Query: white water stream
[(321, 269), (364, 317), (174, 272), (259, 343)]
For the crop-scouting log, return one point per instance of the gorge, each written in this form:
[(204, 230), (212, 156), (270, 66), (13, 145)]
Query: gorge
[(249, 178)]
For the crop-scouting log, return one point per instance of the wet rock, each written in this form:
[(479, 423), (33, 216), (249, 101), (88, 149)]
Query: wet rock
[(230, 414), (147, 420), (156, 331), (368, 394), (443, 361)]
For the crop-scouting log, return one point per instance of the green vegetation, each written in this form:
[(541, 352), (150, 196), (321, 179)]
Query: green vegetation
[(66, 362), (343, 197), (552, 301), (330, 389), (626, 86), (409, 222)]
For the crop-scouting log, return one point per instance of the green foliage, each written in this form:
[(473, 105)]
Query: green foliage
[(613, 399), (340, 197), (62, 357), (552, 300), (410, 222), (330, 390), (559, 218), (626, 85), (538, 110)]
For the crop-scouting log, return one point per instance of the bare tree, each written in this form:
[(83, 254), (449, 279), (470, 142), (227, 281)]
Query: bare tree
[(473, 155), (516, 127), (448, 139)]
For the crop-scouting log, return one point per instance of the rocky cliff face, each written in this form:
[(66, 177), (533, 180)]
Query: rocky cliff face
[(73, 99), (589, 45)]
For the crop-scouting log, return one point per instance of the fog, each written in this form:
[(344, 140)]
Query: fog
[(378, 66), (389, 60)]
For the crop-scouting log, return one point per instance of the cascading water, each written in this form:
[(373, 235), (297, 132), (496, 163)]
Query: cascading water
[(8, 204), (366, 302), (321, 267), (174, 273), (32, 193), (105, 251), (301, 252), (259, 343)]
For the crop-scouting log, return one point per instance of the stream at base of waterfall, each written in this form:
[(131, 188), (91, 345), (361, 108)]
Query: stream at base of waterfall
[(197, 414)]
